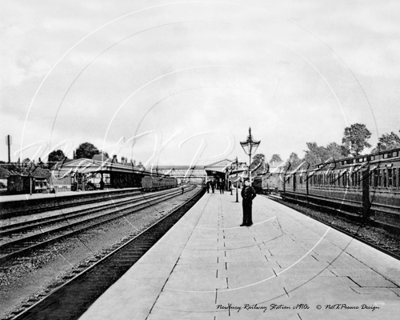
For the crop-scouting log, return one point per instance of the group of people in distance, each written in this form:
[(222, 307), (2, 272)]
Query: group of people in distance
[(248, 194), (215, 184)]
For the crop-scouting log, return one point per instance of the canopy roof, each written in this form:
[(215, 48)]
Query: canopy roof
[(94, 166), (219, 166)]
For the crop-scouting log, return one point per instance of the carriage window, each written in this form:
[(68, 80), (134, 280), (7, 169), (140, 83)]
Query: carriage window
[(394, 178), (353, 179), (384, 180), (358, 178), (395, 154), (378, 177), (389, 172), (398, 177)]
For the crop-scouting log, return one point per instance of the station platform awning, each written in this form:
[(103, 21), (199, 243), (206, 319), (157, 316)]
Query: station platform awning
[(86, 166)]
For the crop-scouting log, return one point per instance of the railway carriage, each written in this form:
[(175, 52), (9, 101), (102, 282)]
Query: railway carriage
[(384, 186), (339, 184), (150, 183), (367, 186), (272, 182)]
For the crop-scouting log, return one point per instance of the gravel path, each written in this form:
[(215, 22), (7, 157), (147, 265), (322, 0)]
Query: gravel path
[(24, 281)]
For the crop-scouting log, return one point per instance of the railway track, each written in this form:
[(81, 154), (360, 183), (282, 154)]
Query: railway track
[(373, 240), (25, 226), (72, 223), (61, 202), (72, 298)]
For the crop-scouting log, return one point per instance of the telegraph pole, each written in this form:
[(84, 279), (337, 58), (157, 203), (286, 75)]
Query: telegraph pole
[(8, 143)]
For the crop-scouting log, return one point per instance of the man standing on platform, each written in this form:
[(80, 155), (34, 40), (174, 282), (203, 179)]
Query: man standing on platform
[(221, 186), (248, 194)]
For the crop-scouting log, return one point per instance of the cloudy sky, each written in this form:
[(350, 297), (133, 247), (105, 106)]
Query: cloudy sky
[(180, 82)]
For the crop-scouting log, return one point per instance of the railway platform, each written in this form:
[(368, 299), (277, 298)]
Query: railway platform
[(35, 196), (285, 266)]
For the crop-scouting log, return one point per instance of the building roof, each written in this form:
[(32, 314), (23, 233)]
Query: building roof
[(101, 157), (4, 173), (92, 166), (38, 172)]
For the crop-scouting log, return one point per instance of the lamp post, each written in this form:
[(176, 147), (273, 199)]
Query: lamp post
[(250, 146), (235, 166)]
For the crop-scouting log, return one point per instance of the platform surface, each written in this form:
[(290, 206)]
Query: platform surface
[(285, 266)]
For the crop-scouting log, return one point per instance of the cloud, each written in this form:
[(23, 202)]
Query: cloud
[(204, 66)]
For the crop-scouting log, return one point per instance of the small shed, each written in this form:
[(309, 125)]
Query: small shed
[(26, 181)]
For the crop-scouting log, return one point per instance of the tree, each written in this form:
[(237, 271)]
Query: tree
[(387, 141), (56, 156), (355, 138), (86, 150), (258, 159), (276, 158), (335, 151), (294, 160), (315, 154)]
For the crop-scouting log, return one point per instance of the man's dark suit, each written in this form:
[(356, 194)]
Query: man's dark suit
[(248, 194)]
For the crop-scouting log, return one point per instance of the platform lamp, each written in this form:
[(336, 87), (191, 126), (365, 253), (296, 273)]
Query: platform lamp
[(235, 166), (250, 146)]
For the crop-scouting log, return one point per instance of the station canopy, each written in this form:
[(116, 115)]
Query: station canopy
[(219, 167), (90, 166)]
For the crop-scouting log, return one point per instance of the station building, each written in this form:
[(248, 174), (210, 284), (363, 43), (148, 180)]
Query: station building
[(84, 174), (99, 173), (198, 174)]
